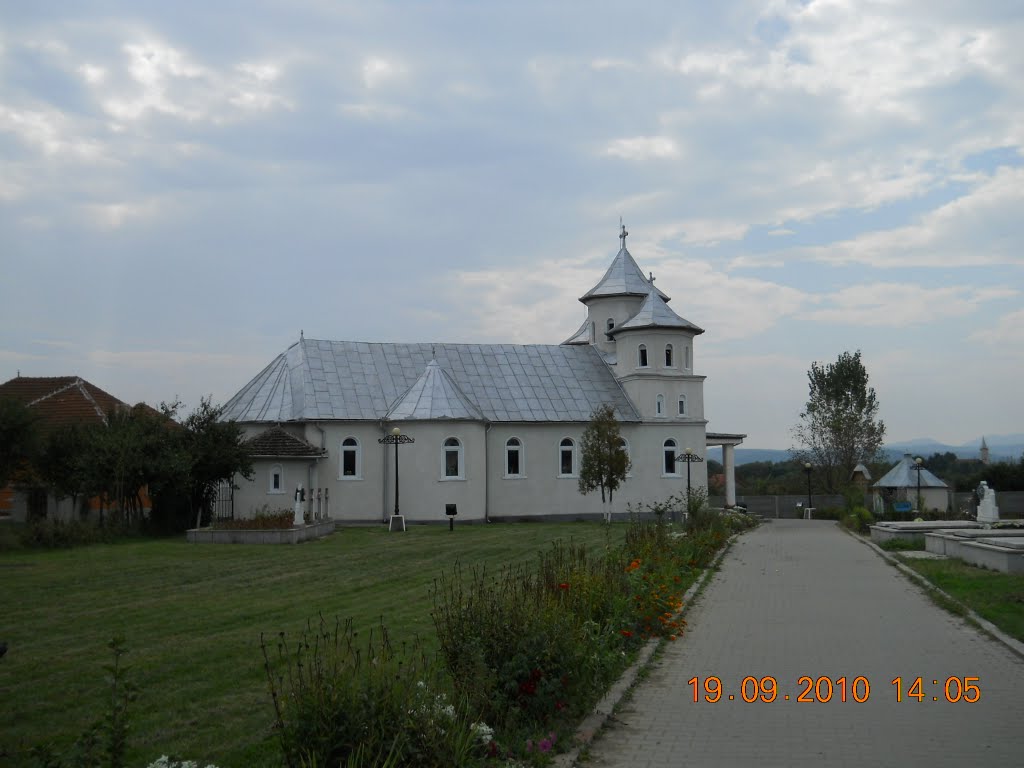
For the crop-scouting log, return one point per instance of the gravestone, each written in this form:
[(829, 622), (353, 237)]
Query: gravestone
[(300, 497), (988, 512)]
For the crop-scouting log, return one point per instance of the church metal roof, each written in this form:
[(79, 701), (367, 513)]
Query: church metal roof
[(435, 395), (903, 475), (348, 380), (582, 336), (655, 313), (623, 278)]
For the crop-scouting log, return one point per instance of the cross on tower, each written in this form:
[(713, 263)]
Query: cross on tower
[(623, 233)]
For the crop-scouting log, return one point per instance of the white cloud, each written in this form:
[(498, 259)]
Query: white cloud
[(964, 232), (1008, 331), (166, 80), (379, 70), (49, 130), (374, 111), (110, 216), (901, 304), (642, 148)]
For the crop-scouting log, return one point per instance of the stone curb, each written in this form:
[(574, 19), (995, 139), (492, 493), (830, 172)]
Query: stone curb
[(987, 626), (595, 721)]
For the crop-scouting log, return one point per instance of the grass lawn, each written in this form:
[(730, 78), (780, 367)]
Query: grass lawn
[(998, 597), (191, 618)]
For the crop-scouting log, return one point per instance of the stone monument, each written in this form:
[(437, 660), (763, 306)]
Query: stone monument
[(300, 497), (988, 512)]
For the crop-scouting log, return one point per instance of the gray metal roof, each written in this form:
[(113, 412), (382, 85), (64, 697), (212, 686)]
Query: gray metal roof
[(582, 336), (435, 395), (623, 278), (327, 380), (655, 313), (903, 475)]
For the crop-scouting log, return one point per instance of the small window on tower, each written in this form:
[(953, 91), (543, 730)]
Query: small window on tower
[(668, 355), (642, 356)]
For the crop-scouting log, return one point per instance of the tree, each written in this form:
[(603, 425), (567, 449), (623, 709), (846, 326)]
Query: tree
[(839, 427), (217, 451), (603, 462), (19, 439)]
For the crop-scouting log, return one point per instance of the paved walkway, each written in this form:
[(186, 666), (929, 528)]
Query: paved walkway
[(797, 598)]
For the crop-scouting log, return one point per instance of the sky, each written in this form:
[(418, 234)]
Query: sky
[(185, 187)]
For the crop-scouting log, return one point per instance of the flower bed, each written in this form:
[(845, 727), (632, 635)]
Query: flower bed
[(290, 535)]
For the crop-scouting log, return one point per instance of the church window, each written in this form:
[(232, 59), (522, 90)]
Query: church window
[(566, 458), (659, 405), (351, 459), (641, 355), (669, 464), (686, 360), (668, 355), (624, 447), (454, 467), (682, 405), (276, 480), (608, 327), (513, 457)]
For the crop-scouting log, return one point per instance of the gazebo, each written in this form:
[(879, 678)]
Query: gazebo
[(897, 490)]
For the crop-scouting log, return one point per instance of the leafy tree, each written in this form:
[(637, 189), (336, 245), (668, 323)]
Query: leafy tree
[(603, 461), (839, 427), (19, 439), (216, 451)]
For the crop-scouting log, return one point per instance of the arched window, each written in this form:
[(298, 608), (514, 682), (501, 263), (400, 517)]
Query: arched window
[(669, 464), (682, 405), (641, 356), (659, 405), (351, 459), (608, 326), (567, 458), (686, 360), (514, 457), (454, 466), (668, 356), (275, 481)]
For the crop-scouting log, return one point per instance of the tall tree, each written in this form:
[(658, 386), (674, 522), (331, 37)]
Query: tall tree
[(603, 461), (839, 427)]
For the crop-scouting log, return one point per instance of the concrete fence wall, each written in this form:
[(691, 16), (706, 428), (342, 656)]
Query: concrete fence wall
[(1011, 504), (780, 506)]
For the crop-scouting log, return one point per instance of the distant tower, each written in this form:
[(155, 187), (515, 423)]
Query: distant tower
[(984, 451)]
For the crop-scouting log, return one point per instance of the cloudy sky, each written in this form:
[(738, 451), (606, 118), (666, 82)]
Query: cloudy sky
[(185, 186)]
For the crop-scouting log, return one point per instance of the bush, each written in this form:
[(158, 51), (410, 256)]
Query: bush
[(531, 650), (858, 519), (338, 701), (262, 521), (60, 534)]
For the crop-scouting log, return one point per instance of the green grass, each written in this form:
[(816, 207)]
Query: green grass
[(915, 544), (191, 617), (997, 597)]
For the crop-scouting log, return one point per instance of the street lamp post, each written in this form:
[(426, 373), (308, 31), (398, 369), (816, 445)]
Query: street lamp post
[(396, 438), (918, 466), (809, 469), (690, 458)]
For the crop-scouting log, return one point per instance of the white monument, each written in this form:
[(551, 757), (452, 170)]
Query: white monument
[(300, 497), (988, 512)]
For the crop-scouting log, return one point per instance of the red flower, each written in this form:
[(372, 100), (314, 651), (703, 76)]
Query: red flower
[(625, 633), (564, 585)]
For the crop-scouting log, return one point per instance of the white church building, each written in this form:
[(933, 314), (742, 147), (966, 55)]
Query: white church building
[(496, 428)]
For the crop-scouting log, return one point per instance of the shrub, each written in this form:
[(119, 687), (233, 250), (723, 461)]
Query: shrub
[(262, 521), (60, 534), (338, 701)]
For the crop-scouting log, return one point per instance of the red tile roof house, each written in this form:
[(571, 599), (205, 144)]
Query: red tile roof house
[(57, 401)]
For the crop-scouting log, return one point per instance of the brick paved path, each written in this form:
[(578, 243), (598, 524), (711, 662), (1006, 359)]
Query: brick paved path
[(798, 598)]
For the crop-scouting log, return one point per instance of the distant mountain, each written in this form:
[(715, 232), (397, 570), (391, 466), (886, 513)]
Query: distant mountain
[(1001, 448)]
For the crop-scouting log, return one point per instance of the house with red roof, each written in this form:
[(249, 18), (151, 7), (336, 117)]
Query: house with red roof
[(57, 401)]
